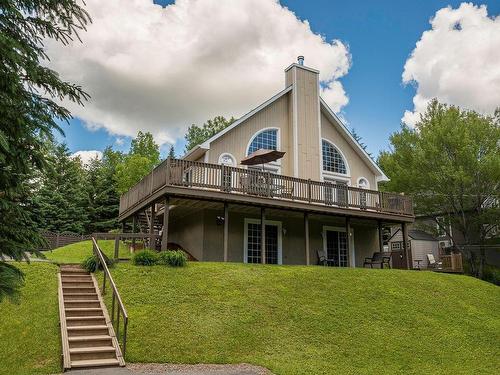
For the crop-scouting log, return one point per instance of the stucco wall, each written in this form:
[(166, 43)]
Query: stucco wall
[(188, 233)]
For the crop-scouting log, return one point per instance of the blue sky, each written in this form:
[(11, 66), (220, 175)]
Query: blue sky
[(380, 34)]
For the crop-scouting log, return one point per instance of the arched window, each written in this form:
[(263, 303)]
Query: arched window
[(266, 139), (227, 159), (363, 183), (332, 159)]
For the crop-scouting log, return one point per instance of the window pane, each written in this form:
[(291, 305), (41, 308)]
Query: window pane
[(332, 160), (266, 140)]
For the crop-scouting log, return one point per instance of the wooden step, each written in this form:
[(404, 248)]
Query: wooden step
[(84, 284), (88, 330), (82, 311), (83, 278), (78, 289), (80, 296), (89, 341), (96, 352), (95, 363), (72, 321), (81, 303)]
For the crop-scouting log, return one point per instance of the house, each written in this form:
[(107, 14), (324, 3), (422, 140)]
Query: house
[(321, 195), (420, 244)]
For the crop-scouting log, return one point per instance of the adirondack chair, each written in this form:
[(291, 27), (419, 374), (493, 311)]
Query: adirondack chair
[(433, 263), (323, 259), (378, 258)]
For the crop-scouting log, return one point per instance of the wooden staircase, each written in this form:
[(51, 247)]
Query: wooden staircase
[(88, 337)]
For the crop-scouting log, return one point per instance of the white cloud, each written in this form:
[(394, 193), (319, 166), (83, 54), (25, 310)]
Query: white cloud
[(161, 69), (86, 156), (457, 61)]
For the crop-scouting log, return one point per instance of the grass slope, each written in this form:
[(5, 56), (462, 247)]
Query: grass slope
[(312, 320), (77, 252), (29, 331)]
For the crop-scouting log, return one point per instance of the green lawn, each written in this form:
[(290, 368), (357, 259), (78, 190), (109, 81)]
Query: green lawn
[(29, 332), (77, 252), (312, 320)]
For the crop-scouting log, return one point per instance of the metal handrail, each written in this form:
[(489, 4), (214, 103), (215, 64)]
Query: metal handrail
[(116, 296)]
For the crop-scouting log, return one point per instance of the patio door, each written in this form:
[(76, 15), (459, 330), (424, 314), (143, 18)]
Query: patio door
[(253, 251), (335, 247)]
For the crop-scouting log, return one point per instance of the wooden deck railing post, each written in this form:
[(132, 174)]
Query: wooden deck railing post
[(167, 171), (309, 190), (117, 246)]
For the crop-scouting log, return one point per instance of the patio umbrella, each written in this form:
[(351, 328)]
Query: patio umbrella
[(262, 156)]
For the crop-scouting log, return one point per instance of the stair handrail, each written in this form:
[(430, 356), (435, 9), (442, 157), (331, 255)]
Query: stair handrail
[(116, 296)]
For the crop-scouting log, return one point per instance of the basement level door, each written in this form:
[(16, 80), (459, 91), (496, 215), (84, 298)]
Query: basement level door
[(273, 243), (336, 248)]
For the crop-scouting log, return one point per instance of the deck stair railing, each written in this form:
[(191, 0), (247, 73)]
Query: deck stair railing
[(116, 301), (234, 180)]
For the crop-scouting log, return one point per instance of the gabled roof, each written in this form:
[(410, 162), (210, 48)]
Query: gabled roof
[(201, 148), (417, 234), (355, 144)]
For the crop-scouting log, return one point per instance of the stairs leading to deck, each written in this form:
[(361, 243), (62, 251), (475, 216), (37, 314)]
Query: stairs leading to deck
[(88, 338)]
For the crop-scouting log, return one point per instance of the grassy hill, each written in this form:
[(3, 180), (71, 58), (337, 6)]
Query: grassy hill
[(77, 252), (312, 320), (30, 342)]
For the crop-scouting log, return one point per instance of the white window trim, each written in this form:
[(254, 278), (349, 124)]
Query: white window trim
[(346, 176), (276, 165), (266, 222), (363, 178), (350, 238), (227, 154)]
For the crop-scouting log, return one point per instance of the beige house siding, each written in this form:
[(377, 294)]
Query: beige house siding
[(187, 232), (237, 139), (307, 87), (203, 238), (357, 166)]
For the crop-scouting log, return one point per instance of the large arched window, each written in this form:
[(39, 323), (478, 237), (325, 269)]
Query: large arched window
[(332, 159), (266, 139)]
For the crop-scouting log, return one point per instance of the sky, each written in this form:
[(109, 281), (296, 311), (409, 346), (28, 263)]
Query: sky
[(161, 69)]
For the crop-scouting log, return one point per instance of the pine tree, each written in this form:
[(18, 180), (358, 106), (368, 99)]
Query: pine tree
[(171, 152), (60, 204), (28, 114)]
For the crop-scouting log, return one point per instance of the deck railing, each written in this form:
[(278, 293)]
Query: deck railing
[(115, 298), (233, 180)]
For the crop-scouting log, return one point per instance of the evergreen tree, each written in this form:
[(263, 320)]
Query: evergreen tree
[(103, 198), (171, 152), (60, 204), (28, 114)]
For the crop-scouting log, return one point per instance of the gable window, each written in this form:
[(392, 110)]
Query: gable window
[(332, 159), (266, 139)]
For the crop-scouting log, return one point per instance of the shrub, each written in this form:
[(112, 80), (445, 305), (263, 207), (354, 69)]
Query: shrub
[(90, 263), (173, 258), (145, 258)]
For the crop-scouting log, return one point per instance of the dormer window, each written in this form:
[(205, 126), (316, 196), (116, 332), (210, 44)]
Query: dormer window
[(266, 139), (332, 159)]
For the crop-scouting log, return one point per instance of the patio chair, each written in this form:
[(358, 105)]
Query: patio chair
[(378, 258), (433, 263), (323, 259)]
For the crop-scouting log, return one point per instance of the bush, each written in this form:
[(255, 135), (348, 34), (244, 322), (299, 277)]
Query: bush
[(491, 274), (145, 258), (173, 258), (90, 263)]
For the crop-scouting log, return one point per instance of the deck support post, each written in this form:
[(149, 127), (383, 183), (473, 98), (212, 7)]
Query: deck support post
[(164, 233), (348, 240), (226, 230), (306, 236), (404, 230), (117, 246), (380, 236), (134, 230), (152, 228), (263, 235)]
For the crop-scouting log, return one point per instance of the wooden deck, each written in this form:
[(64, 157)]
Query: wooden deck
[(199, 180)]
